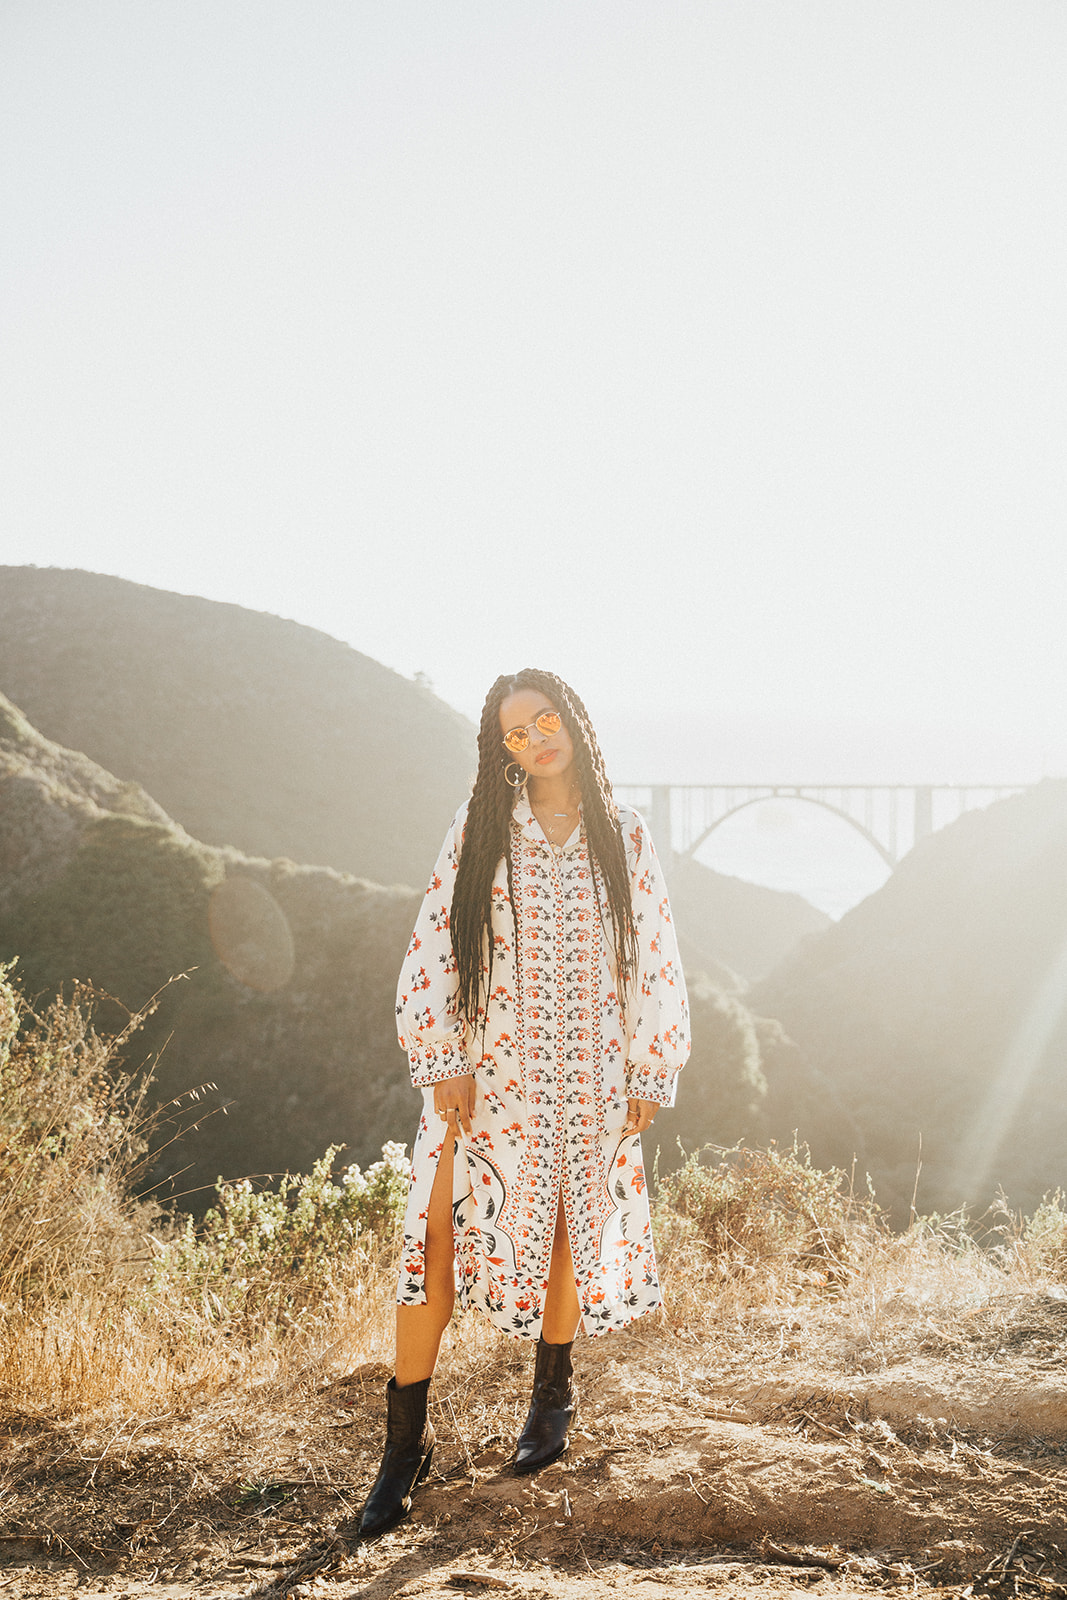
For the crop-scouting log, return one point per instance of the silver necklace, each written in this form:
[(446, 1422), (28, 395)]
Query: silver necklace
[(570, 815)]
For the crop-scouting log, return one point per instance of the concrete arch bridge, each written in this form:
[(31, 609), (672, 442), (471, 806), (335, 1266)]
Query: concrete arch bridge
[(892, 817)]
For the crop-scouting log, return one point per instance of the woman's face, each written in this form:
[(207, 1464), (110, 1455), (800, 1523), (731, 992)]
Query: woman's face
[(546, 755)]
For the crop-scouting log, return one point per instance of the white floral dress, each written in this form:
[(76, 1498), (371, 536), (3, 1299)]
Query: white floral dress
[(553, 1069)]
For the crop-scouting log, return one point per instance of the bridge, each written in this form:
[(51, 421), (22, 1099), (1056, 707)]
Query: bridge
[(892, 817)]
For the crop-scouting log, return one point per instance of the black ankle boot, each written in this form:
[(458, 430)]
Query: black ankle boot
[(544, 1438), (409, 1442)]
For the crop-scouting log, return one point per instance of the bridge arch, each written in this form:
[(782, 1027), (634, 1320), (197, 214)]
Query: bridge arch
[(890, 817), (808, 799)]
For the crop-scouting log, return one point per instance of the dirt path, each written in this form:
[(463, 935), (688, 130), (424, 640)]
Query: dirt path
[(931, 1477)]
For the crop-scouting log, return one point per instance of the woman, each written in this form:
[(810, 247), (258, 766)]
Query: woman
[(543, 1009)]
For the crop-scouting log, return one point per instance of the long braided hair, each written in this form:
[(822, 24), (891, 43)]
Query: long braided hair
[(487, 837)]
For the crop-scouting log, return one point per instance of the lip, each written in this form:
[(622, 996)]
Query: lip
[(546, 756)]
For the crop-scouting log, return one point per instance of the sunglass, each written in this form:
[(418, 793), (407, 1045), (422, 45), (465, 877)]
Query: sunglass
[(518, 739)]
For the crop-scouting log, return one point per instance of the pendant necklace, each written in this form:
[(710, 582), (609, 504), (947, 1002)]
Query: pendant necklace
[(557, 817)]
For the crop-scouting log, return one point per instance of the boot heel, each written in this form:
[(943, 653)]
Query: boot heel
[(425, 1468)]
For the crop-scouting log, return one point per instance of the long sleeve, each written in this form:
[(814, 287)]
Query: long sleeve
[(430, 1026), (657, 1009)]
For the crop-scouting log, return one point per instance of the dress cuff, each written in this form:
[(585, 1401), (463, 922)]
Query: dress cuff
[(437, 1062), (651, 1080)]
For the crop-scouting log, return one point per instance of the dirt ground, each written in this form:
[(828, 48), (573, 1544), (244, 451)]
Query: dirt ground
[(691, 1470)]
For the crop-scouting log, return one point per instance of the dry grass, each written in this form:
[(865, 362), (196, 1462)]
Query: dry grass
[(106, 1353), (106, 1306), (72, 1135), (106, 1310), (773, 1257)]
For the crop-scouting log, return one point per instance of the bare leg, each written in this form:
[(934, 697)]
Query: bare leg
[(419, 1329), (562, 1311)]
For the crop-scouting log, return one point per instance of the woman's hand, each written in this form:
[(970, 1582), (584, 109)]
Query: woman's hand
[(640, 1115), (453, 1100)]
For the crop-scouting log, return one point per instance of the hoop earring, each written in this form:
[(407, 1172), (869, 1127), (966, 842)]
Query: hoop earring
[(515, 783)]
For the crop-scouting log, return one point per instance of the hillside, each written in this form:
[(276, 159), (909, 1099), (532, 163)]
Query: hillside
[(819, 1402), (933, 1017), (249, 730), (731, 929), (288, 1009)]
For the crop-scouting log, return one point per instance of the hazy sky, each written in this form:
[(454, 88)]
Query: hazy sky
[(711, 354)]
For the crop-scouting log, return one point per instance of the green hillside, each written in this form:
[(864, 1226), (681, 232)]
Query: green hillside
[(288, 1008), (249, 730)]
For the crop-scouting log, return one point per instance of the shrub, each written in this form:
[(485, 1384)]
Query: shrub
[(756, 1207), (263, 1255), (1045, 1235)]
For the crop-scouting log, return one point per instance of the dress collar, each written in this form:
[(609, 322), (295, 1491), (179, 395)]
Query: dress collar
[(522, 815)]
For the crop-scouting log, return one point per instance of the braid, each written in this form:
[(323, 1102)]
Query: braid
[(485, 840), (487, 837)]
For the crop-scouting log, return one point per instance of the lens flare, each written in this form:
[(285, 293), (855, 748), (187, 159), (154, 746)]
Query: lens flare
[(1009, 1089), (251, 935)]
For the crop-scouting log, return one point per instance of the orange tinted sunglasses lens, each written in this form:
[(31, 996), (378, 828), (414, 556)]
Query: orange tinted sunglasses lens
[(548, 723)]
